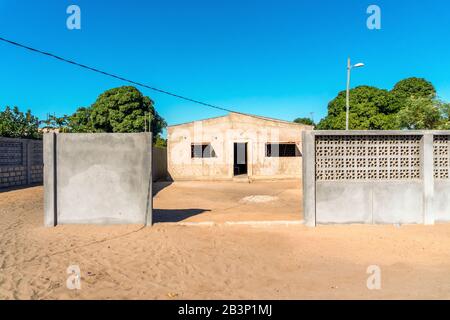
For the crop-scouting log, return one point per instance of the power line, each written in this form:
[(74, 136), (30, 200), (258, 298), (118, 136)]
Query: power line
[(113, 75)]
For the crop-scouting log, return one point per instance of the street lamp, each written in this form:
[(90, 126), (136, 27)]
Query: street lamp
[(349, 68)]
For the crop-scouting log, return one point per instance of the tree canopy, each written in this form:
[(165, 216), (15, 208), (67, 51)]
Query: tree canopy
[(420, 113), (16, 124), (414, 87), (412, 103), (123, 109), (306, 121)]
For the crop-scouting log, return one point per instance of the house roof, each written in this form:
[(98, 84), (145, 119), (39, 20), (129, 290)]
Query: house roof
[(244, 114)]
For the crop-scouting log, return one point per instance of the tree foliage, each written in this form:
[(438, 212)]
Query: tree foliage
[(160, 142), (419, 114), (16, 124), (414, 87), (445, 116), (370, 110), (306, 121), (123, 109), (55, 123), (412, 103)]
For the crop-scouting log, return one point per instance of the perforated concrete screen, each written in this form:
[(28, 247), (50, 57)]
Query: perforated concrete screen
[(367, 158), (376, 176), (441, 150)]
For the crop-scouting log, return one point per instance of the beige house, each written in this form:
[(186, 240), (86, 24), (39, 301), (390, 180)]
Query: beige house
[(235, 146)]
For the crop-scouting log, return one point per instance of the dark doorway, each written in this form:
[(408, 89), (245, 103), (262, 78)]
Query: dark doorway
[(240, 158)]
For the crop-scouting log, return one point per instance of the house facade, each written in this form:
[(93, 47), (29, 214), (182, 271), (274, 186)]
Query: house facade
[(235, 146)]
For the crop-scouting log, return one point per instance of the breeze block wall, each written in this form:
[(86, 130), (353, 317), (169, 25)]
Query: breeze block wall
[(376, 177), (21, 162), (97, 178)]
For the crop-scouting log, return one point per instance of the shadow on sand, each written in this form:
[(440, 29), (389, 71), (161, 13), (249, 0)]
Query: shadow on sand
[(157, 186), (175, 215)]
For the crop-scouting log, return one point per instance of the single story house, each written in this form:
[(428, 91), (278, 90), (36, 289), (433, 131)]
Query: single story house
[(235, 145)]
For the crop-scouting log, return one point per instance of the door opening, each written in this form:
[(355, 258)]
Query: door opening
[(240, 158)]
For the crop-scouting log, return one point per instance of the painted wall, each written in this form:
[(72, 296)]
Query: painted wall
[(20, 162), (222, 133), (376, 177), (101, 178)]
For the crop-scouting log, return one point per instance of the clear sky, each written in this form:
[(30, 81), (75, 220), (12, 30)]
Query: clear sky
[(282, 59)]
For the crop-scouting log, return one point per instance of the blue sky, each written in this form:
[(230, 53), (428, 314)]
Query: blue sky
[(281, 59)]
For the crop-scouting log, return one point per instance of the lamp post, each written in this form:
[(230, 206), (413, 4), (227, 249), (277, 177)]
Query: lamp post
[(347, 100)]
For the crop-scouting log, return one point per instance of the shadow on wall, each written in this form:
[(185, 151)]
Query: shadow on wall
[(175, 215), (20, 187), (159, 163)]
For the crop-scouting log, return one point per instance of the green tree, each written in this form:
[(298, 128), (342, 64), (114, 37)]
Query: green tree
[(306, 121), (122, 109), (80, 121), (16, 124), (54, 122), (414, 87), (419, 114), (445, 116), (411, 88), (377, 109), (160, 142), (370, 110)]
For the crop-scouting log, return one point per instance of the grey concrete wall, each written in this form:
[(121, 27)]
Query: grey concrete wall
[(159, 163), (98, 178), (369, 202), (309, 179), (342, 187), (20, 162), (441, 201)]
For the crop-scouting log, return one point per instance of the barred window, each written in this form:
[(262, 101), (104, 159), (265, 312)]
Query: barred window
[(282, 150), (204, 150)]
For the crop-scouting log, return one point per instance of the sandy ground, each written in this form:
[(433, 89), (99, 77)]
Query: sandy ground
[(194, 201), (185, 262)]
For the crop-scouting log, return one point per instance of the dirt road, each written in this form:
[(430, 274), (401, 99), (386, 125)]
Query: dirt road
[(179, 262)]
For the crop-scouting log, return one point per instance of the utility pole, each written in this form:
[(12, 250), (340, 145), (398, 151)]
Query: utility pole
[(347, 98)]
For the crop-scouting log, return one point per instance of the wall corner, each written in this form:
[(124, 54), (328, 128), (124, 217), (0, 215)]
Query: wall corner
[(309, 178), (49, 149), (427, 163)]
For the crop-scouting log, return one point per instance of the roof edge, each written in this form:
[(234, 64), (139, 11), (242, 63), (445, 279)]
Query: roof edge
[(244, 114)]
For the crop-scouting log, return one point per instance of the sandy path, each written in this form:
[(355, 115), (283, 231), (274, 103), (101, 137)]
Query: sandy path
[(221, 201), (170, 262)]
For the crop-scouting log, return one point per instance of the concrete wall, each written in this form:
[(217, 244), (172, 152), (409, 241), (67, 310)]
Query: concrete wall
[(159, 163), (20, 162), (376, 177), (97, 178), (222, 133)]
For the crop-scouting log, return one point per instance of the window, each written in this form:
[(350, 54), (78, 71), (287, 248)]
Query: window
[(202, 151), (282, 150)]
